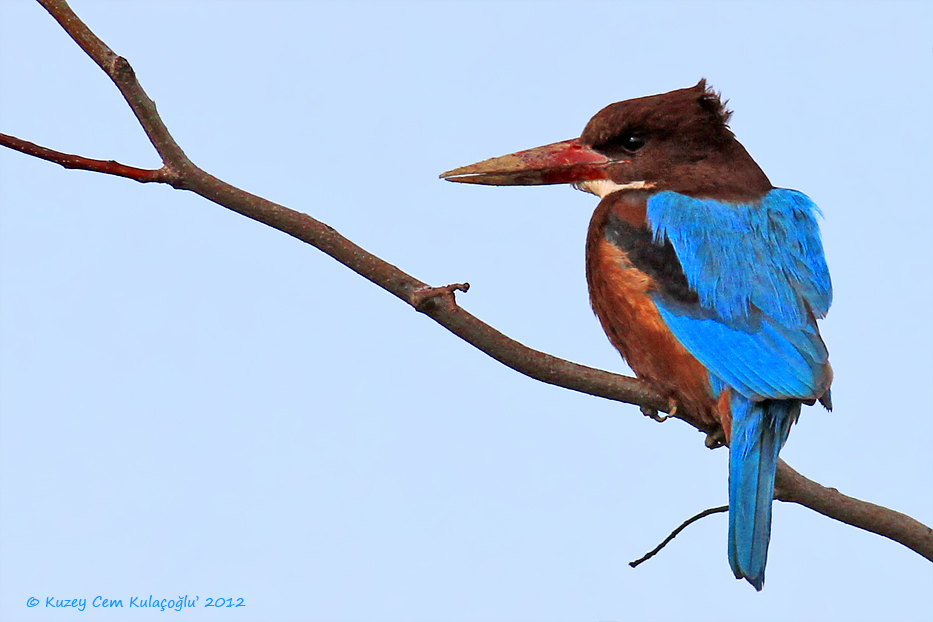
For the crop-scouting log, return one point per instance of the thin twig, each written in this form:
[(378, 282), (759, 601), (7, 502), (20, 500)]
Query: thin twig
[(686, 523), (67, 160)]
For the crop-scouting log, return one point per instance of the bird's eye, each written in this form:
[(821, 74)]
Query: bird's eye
[(632, 142), (622, 144)]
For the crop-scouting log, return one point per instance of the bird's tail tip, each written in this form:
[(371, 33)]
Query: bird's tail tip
[(755, 576), (757, 581)]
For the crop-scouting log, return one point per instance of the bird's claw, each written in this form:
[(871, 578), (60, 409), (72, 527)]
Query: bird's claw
[(716, 438), (654, 414)]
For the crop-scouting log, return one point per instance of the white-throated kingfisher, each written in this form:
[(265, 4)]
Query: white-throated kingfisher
[(707, 279)]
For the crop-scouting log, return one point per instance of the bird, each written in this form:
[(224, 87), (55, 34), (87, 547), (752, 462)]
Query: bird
[(706, 278)]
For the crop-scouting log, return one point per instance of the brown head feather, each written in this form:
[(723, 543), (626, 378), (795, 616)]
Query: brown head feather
[(677, 141)]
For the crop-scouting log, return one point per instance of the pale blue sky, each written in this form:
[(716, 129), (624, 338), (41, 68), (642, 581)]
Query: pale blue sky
[(192, 403)]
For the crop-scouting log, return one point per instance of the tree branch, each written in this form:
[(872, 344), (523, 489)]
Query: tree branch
[(793, 487), (437, 303)]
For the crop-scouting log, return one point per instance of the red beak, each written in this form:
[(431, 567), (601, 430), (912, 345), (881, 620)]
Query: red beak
[(558, 163)]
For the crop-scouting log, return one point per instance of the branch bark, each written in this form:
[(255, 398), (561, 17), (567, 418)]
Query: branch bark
[(437, 303), (793, 487)]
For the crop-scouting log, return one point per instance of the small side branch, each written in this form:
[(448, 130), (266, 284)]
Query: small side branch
[(71, 161), (686, 523), (423, 297)]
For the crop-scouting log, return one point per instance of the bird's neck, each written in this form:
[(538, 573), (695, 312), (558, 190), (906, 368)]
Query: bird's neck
[(604, 187)]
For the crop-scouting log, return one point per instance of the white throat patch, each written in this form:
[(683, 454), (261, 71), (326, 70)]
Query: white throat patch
[(603, 187)]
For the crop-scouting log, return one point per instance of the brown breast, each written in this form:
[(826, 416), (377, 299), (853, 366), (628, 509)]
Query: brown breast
[(620, 296)]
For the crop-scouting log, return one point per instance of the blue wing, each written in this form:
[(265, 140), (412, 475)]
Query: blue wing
[(762, 281)]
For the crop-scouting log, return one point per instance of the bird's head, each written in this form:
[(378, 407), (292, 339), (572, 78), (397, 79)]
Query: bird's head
[(676, 141)]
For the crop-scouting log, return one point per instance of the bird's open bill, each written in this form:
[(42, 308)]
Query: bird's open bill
[(565, 162)]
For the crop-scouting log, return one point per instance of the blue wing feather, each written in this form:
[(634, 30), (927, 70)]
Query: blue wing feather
[(762, 280), (762, 365), (768, 255)]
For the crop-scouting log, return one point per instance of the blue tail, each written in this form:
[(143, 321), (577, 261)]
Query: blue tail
[(759, 430)]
